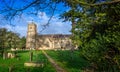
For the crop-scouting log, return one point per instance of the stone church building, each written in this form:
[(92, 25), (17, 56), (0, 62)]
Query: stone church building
[(46, 42)]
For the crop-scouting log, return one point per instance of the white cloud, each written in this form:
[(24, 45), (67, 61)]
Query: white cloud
[(17, 29), (56, 25), (43, 16)]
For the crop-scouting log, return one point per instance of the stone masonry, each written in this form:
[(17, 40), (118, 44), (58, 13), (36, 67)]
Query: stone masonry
[(46, 42)]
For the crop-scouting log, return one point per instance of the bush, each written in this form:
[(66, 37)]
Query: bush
[(103, 53)]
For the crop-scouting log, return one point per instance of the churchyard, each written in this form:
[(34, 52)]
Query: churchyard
[(17, 64), (67, 60)]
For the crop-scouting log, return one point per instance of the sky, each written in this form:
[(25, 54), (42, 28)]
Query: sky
[(19, 24)]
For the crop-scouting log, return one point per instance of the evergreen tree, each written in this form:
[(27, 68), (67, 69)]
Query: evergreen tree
[(96, 31)]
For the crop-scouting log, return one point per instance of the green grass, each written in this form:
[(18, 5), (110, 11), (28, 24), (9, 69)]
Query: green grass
[(18, 65), (71, 61)]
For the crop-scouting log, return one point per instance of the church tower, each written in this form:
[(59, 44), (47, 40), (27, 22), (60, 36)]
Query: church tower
[(31, 36)]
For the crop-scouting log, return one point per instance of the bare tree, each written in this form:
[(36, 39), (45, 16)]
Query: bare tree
[(11, 9)]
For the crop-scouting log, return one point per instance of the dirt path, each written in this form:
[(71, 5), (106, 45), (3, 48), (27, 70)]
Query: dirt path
[(55, 65)]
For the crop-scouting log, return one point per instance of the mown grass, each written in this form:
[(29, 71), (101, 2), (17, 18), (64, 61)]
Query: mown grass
[(17, 65), (71, 61)]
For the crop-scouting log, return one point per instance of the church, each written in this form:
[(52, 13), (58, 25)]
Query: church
[(48, 41)]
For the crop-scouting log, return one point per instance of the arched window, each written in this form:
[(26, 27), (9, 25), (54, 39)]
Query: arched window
[(30, 27)]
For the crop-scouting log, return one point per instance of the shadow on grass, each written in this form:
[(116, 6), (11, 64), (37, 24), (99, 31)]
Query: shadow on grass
[(70, 60)]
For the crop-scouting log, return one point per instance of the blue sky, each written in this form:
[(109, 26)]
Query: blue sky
[(56, 25)]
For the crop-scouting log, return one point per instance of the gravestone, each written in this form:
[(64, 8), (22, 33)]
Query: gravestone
[(33, 64), (10, 55)]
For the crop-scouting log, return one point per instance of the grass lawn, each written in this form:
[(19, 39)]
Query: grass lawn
[(18, 65), (72, 62)]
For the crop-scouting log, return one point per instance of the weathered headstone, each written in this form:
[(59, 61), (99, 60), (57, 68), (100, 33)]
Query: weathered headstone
[(34, 64), (10, 55)]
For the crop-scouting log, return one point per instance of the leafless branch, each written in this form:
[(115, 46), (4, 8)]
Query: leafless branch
[(47, 24), (21, 9), (10, 11)]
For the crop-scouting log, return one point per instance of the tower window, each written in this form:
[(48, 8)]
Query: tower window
[(30, 27)]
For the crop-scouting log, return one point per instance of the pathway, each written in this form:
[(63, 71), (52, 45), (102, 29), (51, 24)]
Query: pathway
[(55, 65)]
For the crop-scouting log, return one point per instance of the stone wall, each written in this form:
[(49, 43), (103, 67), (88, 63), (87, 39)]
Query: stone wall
[(56, 41)]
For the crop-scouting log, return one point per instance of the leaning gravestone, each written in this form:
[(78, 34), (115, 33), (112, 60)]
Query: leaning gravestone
[(10, 55)]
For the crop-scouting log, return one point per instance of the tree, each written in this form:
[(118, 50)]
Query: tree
[(22, 43), (2, 38), (8, 40), (96, 30)]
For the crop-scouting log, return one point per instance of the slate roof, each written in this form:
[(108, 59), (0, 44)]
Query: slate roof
[(55, 35)]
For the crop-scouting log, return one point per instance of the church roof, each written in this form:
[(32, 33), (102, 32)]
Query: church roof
[(55, 35)]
